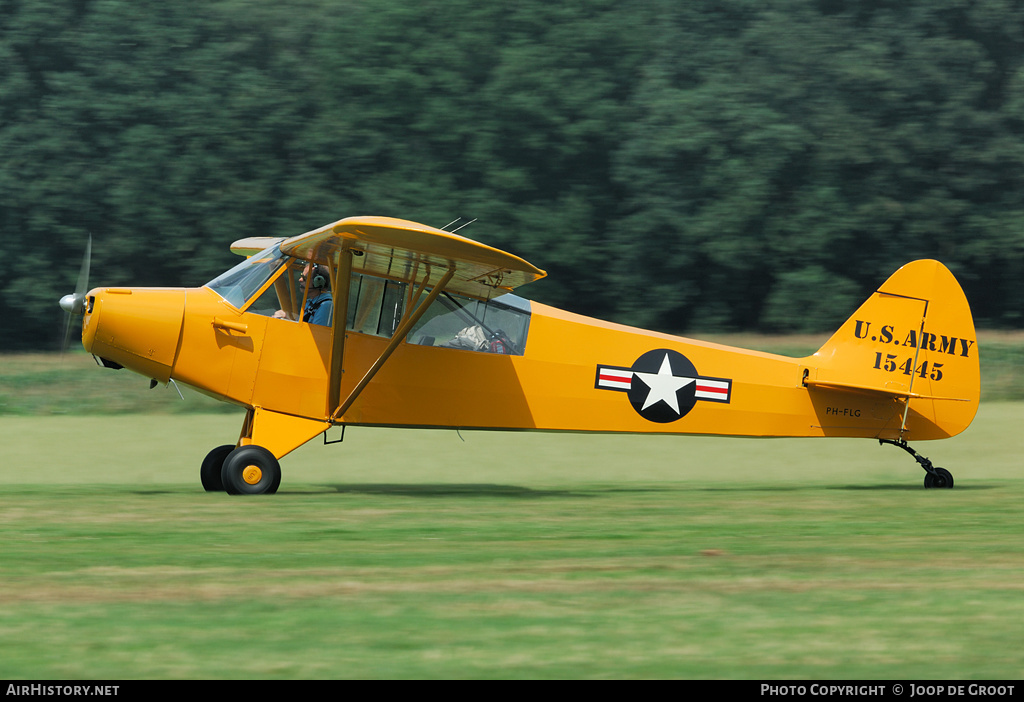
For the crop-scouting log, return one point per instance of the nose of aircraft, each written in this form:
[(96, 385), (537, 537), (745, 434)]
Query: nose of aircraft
[(137, 328), (71, 303)]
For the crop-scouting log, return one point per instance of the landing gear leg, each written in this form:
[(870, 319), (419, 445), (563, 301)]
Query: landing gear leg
[(935, 477)]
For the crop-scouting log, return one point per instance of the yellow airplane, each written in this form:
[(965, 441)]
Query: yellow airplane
[(386, 322)]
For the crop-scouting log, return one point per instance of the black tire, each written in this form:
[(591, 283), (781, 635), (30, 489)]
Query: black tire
[(209, 472), (251, 470), (942, 478)]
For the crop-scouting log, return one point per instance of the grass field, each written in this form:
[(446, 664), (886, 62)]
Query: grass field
[(417, 554)]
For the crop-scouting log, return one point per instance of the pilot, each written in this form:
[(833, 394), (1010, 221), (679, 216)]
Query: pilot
[(319, 302), (315, 280)]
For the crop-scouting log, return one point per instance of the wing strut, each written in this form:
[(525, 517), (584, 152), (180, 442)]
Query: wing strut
[(403, 330), (343, 265)]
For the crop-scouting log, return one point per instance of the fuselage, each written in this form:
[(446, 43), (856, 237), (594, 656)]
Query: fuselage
[(573, 373)]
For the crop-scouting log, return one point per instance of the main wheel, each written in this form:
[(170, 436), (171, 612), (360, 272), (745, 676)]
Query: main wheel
[(209, 472), (942, 478), (251, 470)]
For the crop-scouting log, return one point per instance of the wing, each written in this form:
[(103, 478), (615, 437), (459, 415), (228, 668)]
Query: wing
[(414, 253), (252, 245)]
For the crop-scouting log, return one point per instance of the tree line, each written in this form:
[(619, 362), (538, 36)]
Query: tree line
[(685, 166)]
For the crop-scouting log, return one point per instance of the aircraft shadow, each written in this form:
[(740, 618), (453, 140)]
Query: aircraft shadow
[(429, 490), (957, 487), (450, 490), (890, 487)]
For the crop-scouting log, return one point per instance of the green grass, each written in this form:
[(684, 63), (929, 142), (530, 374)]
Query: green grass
[(73, 384), (402, 554)]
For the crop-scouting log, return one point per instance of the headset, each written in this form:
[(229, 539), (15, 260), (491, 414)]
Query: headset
[(320, 277)]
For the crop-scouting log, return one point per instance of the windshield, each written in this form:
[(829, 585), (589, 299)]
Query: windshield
[(239, 284)]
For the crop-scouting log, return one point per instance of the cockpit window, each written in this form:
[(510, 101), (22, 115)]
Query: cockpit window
[(377, 306), (242, 282), (494, 326)]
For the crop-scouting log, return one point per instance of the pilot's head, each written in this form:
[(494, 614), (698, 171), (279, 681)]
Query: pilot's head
[(315, 278)]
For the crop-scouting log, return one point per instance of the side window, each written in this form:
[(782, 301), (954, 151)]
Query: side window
[(375, 305), (494, 326), (283, 298), (291, 298), (288, 297)]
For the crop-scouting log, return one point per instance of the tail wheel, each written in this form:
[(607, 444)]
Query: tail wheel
[(941, 478), (934, 477), (251, 470), (209, 472)]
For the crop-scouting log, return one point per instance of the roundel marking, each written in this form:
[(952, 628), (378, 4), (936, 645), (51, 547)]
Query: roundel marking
[(663, 385)]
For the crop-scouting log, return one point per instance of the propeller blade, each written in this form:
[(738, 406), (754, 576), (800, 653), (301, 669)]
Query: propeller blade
[(67, 334), (74, 304), (83, 274)]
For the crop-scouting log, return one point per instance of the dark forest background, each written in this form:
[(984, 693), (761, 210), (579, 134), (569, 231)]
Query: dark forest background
[(687, 166)]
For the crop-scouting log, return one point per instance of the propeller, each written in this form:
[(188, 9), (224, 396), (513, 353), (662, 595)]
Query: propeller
[(74, 303)]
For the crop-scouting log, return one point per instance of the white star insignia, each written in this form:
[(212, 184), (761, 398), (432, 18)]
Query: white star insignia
[(663, 386)]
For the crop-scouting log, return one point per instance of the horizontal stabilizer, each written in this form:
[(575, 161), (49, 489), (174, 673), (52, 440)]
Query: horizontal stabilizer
[(891, 392)]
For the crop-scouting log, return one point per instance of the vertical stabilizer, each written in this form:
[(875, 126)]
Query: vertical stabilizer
[(914, 341)]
